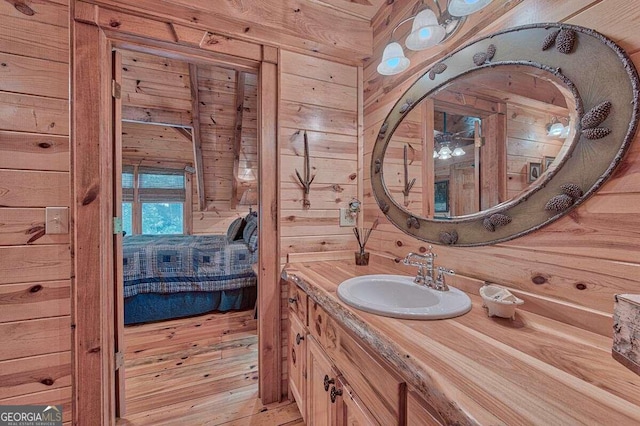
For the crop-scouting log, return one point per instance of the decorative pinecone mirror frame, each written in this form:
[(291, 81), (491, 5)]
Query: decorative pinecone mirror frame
[(607, 117)]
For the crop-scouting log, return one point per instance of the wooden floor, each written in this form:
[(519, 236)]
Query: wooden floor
[(198, 371)]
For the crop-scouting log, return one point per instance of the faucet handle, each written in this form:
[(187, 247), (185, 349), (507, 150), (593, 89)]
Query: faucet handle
[(443, 270), (440, 282)]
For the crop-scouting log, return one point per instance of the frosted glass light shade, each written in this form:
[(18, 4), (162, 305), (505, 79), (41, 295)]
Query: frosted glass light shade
[(445, 150), (393, 60), (555, 130), (425, 32), (458, 152), (466, 7)]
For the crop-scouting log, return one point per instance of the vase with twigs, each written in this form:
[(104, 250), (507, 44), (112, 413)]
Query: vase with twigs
[(362, 235)]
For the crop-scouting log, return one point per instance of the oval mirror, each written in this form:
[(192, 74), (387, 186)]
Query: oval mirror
[(480, 141), (505, 135)]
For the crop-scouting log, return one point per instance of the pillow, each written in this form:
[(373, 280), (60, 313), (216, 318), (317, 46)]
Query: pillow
[(234, 232), (251, 216), (250, 229), (253, 243)]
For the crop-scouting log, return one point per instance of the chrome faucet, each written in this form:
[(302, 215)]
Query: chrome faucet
[(426, 273)]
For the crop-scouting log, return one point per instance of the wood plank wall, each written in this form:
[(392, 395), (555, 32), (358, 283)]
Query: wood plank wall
[(319, 97), (157, 90), (35, 269), (217, 94), (527, 141), (409, 133), (584, 258)]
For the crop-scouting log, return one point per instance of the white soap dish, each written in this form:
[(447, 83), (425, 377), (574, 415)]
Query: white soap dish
[(499, 301)]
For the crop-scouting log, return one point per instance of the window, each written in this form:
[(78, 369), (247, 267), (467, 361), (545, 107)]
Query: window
[(153, 201)]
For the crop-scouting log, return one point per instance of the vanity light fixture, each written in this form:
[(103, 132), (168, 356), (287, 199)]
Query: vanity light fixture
[(556, 129), (429, 29)]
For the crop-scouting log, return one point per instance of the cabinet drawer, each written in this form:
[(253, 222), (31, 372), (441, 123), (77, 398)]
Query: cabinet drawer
[(298, 303), (381, 391)]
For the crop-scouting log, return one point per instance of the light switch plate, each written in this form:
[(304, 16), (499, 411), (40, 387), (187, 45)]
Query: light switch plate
[(345, 217), (57, 220)]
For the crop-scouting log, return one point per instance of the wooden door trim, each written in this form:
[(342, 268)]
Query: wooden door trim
[(92, 177)]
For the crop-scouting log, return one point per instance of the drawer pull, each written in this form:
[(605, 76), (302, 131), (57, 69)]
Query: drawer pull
[(327, 382), (335, 393), (293, 300), (299, 338)]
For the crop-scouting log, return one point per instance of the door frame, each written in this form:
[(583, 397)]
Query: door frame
[(92, 144)]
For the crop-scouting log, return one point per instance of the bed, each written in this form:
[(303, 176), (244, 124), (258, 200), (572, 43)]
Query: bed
[(175, 276)]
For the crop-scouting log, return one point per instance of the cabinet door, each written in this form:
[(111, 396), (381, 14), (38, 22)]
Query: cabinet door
[(354, 413), (321, 376), (298, 363)]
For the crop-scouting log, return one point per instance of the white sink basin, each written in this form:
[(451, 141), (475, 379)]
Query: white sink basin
[(397, 296)]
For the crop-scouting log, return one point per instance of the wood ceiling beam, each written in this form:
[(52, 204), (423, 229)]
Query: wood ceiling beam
[(184, 132), (237, 135), (197, 141)]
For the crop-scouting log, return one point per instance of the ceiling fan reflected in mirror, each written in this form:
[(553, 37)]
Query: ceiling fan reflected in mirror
[(444, 140)]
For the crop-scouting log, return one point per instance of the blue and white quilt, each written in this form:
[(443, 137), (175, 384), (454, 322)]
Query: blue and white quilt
[(181, 263)]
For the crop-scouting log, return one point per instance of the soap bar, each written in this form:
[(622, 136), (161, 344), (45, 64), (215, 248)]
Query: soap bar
[(626, 331)]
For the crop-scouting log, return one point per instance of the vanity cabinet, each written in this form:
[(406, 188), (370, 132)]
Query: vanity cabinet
[(333, 379), (380, 390)]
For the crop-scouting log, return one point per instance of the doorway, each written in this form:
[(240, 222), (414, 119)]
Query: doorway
[(187, 187), (93, 208)]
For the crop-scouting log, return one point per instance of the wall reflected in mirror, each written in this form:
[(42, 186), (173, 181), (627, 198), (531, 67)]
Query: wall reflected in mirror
[(489, 136)]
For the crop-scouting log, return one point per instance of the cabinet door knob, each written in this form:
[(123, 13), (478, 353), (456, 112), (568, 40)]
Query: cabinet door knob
[(335, 393), (293, 300), (299, 338), (327, 382)]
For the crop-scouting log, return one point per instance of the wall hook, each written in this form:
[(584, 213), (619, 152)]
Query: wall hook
[(407, 185), (306, 181)]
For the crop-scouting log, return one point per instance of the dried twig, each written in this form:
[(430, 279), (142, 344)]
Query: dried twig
[(363, 234), (306, 181)]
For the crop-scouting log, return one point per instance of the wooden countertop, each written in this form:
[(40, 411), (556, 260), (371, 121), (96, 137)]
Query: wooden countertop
[(479, 370)]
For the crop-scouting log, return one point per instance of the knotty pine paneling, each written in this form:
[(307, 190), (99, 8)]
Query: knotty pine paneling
[(155, 143), (43, 35), (19, 264), (35, 269), (305, 105), (24, 226), (217, 88), (35, 337), (61, 396), (42, 299), (33, 76), (31, 188), (584, 258), (35, 374), (298, 24), (33, 151), (27, 113)]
